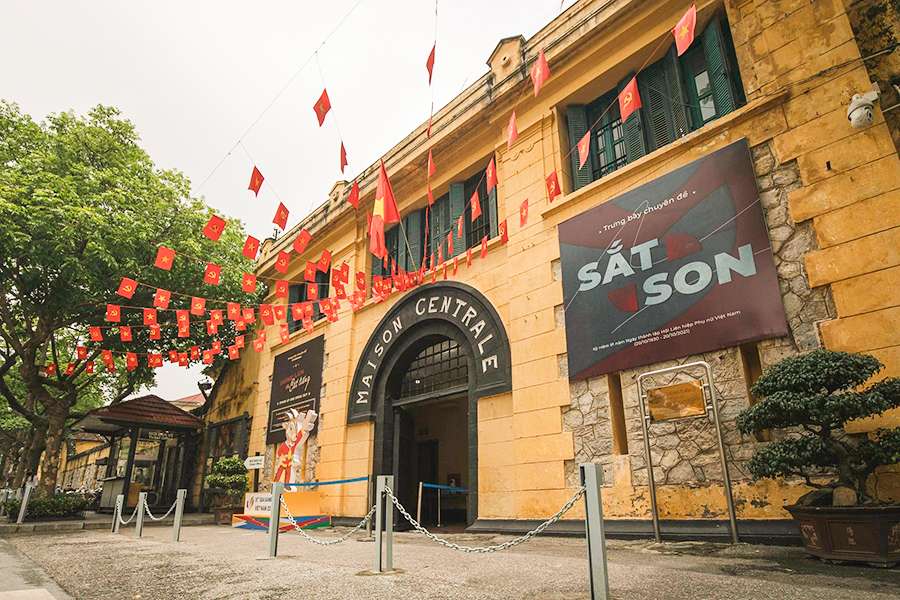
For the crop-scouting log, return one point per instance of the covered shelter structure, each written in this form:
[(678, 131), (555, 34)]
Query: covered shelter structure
[(152, 449)]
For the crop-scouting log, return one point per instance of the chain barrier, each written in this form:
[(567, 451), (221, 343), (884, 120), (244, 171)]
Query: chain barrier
[(487, 549), (150, 514), (130, 519), (314, 540)]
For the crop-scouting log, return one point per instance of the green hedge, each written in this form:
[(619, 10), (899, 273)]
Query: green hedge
[(58, 506)]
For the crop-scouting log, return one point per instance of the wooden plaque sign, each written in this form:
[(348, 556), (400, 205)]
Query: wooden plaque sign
[(676, 401)]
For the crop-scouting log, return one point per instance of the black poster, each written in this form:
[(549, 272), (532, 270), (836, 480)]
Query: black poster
[(677, 266), (296, 383)]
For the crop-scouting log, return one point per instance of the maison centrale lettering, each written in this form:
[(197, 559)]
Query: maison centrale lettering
[(453, 303)]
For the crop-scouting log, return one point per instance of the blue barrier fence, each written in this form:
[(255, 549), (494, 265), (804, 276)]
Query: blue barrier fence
[(332, 482), (446, 488)]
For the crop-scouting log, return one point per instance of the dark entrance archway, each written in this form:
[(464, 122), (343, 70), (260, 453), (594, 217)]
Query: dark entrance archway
[(384, 389)]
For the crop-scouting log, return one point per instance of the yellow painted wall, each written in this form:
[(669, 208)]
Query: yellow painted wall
[(799, 64)]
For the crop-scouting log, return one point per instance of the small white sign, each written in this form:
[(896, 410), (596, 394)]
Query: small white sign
[(257, 503), (254, 462)]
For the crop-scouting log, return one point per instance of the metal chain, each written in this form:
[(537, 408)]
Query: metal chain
[(339, 540), (130, 519), (487, 549), (150, 514)]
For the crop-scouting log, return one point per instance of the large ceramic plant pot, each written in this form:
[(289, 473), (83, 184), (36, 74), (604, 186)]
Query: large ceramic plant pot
[(868, 534)]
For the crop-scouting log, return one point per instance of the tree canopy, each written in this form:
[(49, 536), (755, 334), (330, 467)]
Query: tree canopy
[(81, 206)]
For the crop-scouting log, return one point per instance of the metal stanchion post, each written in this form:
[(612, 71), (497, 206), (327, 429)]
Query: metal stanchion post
[(139, 522), (389, 528), (379, 515), (179, 512), (117, 512), (4, 496), (275, 518), (419, 505), (369, 499), (591, 478), (25, 497)]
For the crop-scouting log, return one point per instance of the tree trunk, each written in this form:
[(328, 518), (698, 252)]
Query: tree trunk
[(56, 425), (29, 457)]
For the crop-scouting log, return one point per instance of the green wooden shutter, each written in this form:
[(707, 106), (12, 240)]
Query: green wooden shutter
[(719, 75), (633, 130), (402, 254), (577, 120), (413, 226), (436, 226), (457, 207), (492, 211), (662, 97)]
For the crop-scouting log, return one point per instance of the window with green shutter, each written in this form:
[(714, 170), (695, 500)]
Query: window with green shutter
[(678, 95), (297, 293)]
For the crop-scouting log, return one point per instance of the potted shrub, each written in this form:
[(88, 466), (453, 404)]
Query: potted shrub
[(813, 396), (55, 507), (227, 481)]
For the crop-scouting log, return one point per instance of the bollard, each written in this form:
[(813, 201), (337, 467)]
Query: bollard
[(384, 513), (275, 518), (117, 512), (25, 497), (591, 478), (419, 505), (370, 489), (139, 523), (179, 512)]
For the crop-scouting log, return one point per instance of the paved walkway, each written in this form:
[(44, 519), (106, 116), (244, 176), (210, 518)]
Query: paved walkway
[(21, 579), (221, 562), (98, 521)]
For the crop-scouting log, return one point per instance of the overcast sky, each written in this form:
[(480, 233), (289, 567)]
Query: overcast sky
[(194, 75)]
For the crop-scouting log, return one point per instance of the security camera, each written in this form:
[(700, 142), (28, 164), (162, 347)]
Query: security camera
[(860, 113)]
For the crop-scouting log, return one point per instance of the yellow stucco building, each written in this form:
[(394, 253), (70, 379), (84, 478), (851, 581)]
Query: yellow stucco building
[(413, 385)]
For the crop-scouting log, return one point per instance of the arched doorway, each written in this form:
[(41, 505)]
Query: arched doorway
[(419, 378)]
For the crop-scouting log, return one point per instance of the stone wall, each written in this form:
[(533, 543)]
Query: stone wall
[(685, 452)]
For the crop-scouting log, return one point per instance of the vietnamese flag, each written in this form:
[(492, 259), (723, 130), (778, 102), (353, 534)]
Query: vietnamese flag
[(384, 212), (215, 316), (247, 315), (211, 328), (125, 333), (248, 283), (484, 241), (476, 205), (491, 175), (280, 311), (233, 352), (207, 357), (214, 228), (95, 333), (584, 148), (629, 99), (312, 291), (302, 241), (127, 288), (131, 361), (309, 273), (161, 298), (233, 311), (324, 260), (281, 216), (164, 258), (150, 316), (256, 181), (512, 132), (684, 30), (251, 247), (540, 72), (89, 367), (81, 352), (344, 162), (322, 106), (432, 168)]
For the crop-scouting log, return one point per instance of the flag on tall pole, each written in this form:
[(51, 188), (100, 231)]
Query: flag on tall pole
[(384, 212)]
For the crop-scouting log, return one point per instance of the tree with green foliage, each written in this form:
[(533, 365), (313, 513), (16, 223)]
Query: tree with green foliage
[(818, 393), (228, 478), (81, 206)]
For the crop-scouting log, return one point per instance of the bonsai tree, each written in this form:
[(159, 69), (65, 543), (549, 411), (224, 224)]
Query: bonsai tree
[(228, 477), (818, 393)]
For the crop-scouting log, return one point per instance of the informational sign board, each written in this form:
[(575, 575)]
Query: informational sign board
[(676, 401), (254, 462), (258, 503), (296, 383), (677, 266)]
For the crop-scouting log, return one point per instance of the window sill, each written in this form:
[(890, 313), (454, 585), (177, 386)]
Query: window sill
[(656, 157)]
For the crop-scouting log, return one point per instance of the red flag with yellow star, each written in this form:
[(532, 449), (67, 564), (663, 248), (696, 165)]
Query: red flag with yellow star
[(256, 181), (302, 241), (251, 247), (164, 258), (540, 72), (684, 30), (281, 216), (584, 148), (344, 162), (384, 212), (491, 175), (353, 196)]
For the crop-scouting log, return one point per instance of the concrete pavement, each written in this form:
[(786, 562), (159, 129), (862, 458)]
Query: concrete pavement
[(21, 579)]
